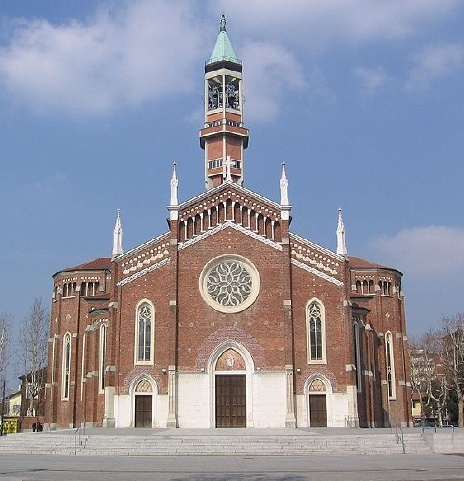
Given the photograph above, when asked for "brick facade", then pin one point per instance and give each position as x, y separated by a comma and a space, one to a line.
228, 291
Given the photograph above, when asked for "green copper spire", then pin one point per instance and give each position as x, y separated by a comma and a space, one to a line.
223, 50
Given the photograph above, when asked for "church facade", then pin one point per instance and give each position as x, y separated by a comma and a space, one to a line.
228, 319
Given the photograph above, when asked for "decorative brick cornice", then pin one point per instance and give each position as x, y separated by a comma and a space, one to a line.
145, 255
317, 273
136, 250
143, 272
314, 255
232, 225
217, 191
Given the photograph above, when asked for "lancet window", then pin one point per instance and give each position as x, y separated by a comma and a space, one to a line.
144, 333
66, 367
357, 355
101, 357
390, 365
316, 332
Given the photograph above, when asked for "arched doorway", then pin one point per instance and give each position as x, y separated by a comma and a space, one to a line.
317, 403
143, 415
230, 390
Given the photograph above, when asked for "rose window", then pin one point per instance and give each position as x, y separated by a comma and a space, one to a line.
229, 284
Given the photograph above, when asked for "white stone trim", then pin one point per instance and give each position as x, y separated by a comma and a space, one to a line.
316, 272
225, 225
143, 272
321, 306
216, 190
313, 245
150, 361
143, 246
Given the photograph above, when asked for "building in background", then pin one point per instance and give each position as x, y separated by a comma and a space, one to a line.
229, 318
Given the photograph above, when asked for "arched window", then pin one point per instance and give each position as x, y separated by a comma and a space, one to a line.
390, 362
385, 288
101, 358
144, 333
371, 287
357, 356
315, 332
66, 367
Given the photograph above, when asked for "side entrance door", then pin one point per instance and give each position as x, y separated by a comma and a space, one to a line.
317, 410
143, 411
230, 401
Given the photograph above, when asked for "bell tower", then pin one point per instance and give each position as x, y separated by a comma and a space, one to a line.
223, 137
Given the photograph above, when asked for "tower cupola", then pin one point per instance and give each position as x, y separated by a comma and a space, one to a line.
223, 137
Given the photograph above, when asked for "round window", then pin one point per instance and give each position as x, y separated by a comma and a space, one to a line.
229, 283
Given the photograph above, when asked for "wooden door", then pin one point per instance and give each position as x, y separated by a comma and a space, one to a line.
143, 411
317, 410
230, 401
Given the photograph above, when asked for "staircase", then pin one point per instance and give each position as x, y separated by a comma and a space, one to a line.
233, 442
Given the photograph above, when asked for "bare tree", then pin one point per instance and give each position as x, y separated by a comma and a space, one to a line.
438, 379
452, 334
33, 341
420, 370
5, 336
428, 377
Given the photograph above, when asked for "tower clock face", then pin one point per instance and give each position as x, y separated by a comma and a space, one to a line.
229, 283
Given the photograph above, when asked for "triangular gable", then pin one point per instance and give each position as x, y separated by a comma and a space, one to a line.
227, 203
215, 193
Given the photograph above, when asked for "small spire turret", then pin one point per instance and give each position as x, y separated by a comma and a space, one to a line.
117, 237
341, 241
174, 186
285, 206
173, 206
283, 187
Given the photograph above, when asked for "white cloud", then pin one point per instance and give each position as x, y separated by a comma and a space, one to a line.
270, 70
319, 22
371, 79
142, 51
433, 62
145, 50
424, 251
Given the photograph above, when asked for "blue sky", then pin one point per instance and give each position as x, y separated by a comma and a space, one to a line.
362, 99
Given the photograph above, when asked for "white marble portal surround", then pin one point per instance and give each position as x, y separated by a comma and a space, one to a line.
266, 403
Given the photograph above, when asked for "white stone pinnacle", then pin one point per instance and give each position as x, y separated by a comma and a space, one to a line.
174, 186
341, 241
117, 236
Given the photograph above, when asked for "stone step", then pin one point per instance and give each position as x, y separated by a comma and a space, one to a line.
238, 445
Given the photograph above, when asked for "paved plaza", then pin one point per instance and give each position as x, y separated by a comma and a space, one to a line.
228, 468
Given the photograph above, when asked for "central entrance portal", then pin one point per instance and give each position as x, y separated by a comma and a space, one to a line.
230, 400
